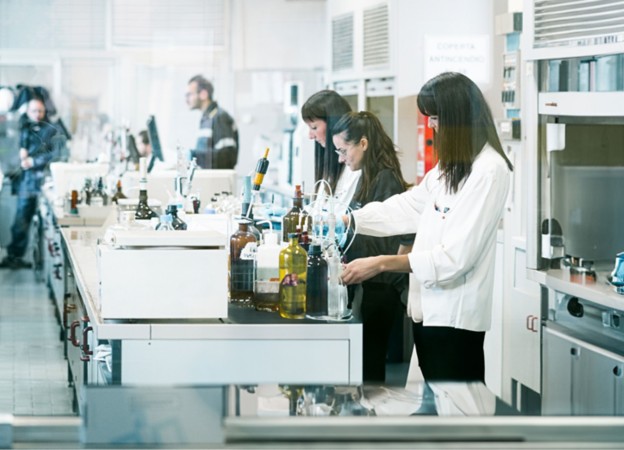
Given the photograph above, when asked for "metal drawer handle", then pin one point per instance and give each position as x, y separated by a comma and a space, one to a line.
86, 352
72, 333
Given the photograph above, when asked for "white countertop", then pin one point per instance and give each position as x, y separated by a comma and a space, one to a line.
243, 323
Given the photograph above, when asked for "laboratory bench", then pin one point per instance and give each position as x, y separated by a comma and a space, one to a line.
246, 347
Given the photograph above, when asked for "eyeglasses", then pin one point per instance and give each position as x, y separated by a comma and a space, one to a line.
341, 151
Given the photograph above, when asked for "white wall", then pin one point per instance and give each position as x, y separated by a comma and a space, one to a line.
418, 18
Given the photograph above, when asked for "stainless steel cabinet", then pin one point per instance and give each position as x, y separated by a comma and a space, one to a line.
580, 378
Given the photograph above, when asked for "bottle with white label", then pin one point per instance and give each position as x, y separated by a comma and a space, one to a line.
266, 286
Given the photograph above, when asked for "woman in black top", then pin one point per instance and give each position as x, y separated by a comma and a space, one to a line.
362, 142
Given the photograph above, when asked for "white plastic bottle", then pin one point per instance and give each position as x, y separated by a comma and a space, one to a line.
266, 287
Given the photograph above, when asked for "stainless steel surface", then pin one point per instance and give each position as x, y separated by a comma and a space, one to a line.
530, 141
426, 429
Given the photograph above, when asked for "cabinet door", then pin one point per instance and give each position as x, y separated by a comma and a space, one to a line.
595, 376
580, 378
524, 326
492, 347
557, 374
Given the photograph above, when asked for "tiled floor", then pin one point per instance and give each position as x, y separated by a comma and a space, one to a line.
33, 371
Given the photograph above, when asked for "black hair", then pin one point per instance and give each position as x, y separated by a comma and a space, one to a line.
328, 106
381, 153
465, 124
203, 85
144, 137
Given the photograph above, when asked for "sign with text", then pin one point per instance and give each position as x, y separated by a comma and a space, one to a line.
469, 55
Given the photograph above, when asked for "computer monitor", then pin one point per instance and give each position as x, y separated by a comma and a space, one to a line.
152, 134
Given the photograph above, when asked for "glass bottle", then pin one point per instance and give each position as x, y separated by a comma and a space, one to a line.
87, 190
97, 197
73, 206
118, 193
292, 269
165, 223
317, 277
296, 217
143, 211
178, 224
242, 260
266, 287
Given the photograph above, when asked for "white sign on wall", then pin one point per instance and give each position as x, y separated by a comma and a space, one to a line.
469, 55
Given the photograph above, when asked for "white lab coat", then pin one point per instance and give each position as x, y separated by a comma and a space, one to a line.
455, 246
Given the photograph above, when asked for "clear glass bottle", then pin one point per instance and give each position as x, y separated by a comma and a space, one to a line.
292, 269
317, 279
86, 191
165, 223
178, 224
98, 194
242, 264
296, 217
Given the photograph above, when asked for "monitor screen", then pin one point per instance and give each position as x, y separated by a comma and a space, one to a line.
152, 133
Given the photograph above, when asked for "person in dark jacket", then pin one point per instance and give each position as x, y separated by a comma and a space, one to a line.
361, 141
217, 140
38, 147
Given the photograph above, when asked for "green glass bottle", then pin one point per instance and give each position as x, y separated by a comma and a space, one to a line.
293, 264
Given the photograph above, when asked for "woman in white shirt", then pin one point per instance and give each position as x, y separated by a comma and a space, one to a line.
455, 212
321, 112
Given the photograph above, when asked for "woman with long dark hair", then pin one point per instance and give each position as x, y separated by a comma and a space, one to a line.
364, 145
320, 112
455, 212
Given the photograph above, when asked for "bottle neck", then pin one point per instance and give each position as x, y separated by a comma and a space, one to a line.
298, 202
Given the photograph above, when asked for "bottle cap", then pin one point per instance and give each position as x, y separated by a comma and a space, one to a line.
315, 249
292, 235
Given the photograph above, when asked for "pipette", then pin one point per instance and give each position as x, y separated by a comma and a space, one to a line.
261, 170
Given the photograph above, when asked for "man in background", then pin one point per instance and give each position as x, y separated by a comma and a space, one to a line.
217, 141
143, 144
38, 147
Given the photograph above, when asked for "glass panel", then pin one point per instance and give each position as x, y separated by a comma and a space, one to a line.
587, 178
602, 73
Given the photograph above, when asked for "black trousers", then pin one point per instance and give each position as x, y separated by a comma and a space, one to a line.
381, 303
449, 354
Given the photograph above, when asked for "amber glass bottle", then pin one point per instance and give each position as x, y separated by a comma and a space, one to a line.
242, 259
118, 193
292, 269
296, 217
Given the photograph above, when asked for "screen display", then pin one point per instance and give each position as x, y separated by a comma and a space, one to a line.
152, 133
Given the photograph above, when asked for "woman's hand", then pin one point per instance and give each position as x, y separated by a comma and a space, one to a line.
360, 270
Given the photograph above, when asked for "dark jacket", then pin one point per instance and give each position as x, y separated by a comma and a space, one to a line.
385, 185
42, 142
217, 144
